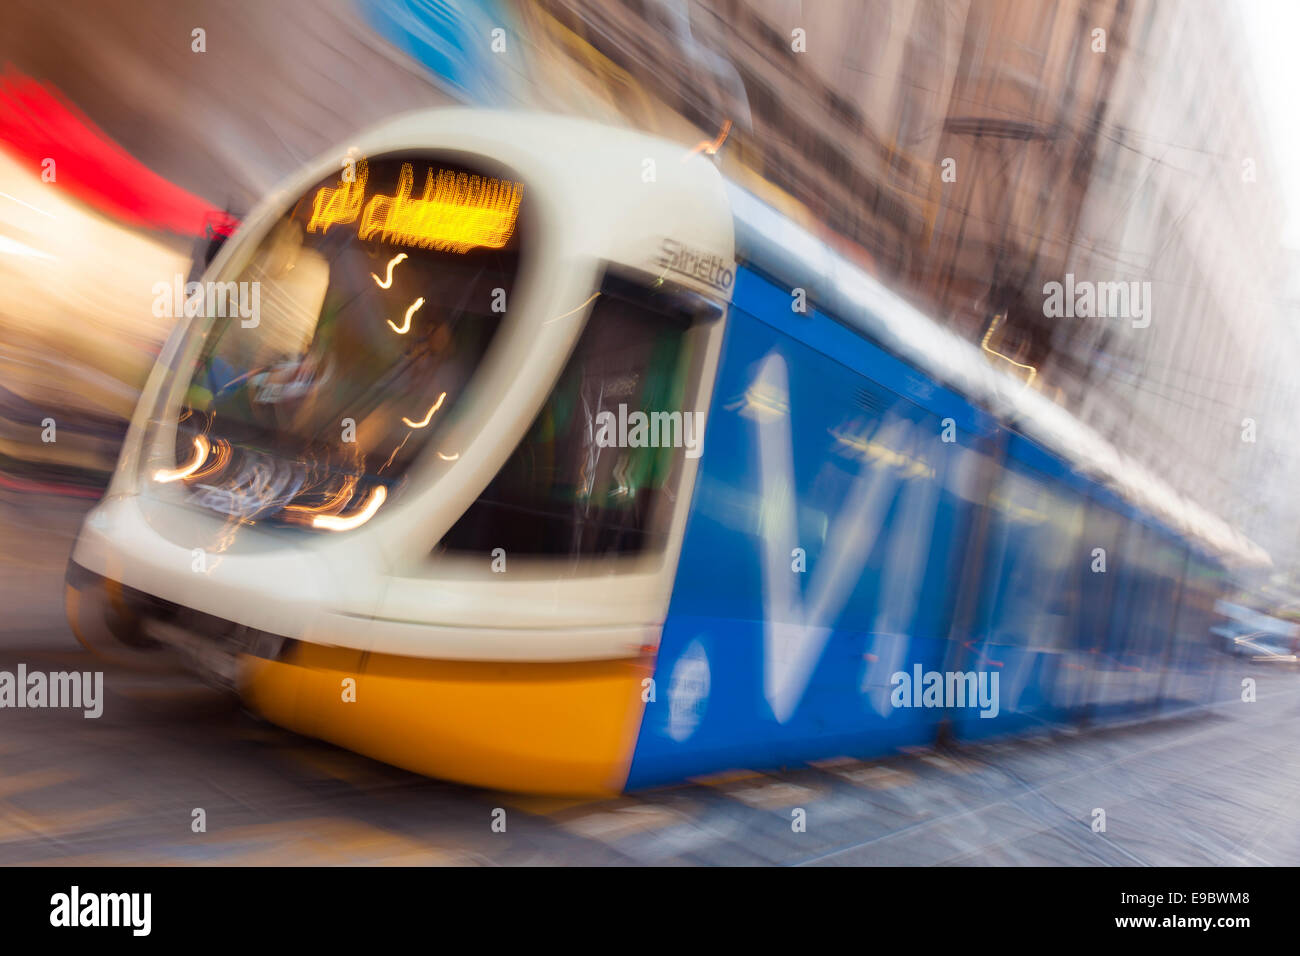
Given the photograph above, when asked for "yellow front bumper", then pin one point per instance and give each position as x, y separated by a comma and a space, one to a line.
557, 728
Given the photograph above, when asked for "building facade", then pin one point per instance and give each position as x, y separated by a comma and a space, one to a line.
971, 153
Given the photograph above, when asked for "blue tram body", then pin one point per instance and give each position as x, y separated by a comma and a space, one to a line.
855, 520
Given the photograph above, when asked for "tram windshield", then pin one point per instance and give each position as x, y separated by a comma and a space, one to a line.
361, 318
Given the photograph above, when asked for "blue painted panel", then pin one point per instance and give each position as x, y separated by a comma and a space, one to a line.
1027, 624
761, 664
818, 440
1140, 618
822, 333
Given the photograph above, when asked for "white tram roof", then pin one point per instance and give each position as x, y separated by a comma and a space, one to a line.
789, 253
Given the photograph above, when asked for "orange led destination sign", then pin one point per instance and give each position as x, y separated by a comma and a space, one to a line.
455, 213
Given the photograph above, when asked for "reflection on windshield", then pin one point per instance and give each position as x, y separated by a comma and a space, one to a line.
311, 414
565, 492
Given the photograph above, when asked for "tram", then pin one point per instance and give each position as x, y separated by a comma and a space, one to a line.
551, 460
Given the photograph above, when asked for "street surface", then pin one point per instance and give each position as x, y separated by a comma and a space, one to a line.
1215, 787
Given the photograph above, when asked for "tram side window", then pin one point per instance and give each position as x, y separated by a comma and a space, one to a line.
1036, 597
584, 482
1191, 632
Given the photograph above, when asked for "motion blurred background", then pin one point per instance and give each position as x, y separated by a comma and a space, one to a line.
1148, 152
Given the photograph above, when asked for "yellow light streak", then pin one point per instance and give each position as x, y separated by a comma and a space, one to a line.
406, 324
565, 315
984, 344
883, 454
427, 418
760, 402
218, 456
400, 446
710, 148
165, 475
455, 213
333, 505
340, 204
355, 520
387, 281
448, 457
1015, 510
